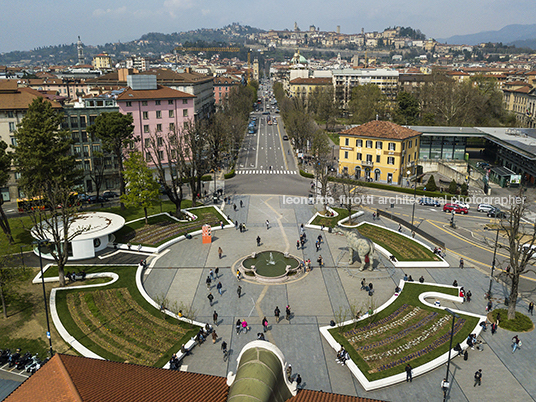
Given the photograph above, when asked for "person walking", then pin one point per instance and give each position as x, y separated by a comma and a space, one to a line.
214, 336
531, 308
238, 326
409, 376
220, 252
298, 381
219, 286
468, 296
287, 311
478, 378
267, 224
317, 244
264, 324
211, 274
210, 298
217, 272
245, 326
241, 204
461, 263
289, 372
258, 241
517, 343
277, 312
445, 386
297, 245
215, 318
208, 282
493, 328
239, 291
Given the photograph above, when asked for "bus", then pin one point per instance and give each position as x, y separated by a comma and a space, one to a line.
31, 204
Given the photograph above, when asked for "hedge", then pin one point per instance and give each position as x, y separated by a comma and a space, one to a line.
229, 175
308, 175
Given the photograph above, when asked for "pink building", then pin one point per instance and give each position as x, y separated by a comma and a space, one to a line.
222, 86
154, 109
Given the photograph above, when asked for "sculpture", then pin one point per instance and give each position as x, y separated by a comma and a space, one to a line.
363, 246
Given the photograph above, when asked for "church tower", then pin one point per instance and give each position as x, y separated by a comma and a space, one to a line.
80, 49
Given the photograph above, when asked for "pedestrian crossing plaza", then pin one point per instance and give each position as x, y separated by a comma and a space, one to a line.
266, 171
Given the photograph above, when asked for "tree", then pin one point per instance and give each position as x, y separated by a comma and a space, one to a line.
47, 174
431, 184
453, 187
407, 111
10, 278
350, 195
521, 245
5, 169
97, 171
115, 130
367, 103
321, 159
196, 160
142, 187
463, 189
322, 103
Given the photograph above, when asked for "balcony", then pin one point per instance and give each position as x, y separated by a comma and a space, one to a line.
367, 163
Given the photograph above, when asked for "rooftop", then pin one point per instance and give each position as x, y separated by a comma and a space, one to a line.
381, 129
159, 93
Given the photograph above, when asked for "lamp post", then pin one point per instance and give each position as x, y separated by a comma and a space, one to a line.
454, 316
414, 197
39, 243
493, 264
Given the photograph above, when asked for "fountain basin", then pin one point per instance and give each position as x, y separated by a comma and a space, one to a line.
270, 266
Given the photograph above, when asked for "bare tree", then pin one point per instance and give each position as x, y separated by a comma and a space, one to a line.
321, 159
97, 173
521, 245
350, 195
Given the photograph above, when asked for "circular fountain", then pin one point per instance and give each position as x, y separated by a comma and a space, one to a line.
270, 266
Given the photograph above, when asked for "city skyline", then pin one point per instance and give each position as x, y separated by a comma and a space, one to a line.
97, 23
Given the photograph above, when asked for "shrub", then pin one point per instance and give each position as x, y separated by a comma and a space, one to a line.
453, 187
230, 175
431, 185
308, 175
206, 177
464, 189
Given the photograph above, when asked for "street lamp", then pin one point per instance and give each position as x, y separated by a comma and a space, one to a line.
39, 244
414, 197
493, 263
454, 316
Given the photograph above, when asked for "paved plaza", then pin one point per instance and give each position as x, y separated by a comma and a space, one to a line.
317, 297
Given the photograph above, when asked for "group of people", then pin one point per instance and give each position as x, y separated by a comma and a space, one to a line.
240, 226
408, 278
342, 356
305, 265
367, 288
76, 276
438, 251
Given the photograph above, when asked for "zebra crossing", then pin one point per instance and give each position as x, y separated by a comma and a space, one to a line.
266, 171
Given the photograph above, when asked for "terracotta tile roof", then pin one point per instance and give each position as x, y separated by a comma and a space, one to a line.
311, 81
381, 129
319, 396
225, 81
13, 98
72, 378
159, 93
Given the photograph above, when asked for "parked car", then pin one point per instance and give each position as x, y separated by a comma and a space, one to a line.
497, 213
94, 200
456, 208
429, 201
484, 207
109, 194
83, 197
285, 138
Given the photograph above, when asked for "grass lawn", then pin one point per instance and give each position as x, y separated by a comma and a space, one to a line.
331, 222
334, 137
406, 331
403, 248
521, 323
117, 323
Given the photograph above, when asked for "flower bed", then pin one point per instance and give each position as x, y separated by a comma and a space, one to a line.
405, 331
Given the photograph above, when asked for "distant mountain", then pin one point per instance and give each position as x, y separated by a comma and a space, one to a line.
507, 35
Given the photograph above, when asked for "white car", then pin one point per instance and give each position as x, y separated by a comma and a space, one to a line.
484, 207
461, 204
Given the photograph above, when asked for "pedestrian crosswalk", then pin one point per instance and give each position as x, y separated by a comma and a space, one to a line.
266, 171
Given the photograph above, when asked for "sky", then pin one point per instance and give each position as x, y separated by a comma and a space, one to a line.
27, 24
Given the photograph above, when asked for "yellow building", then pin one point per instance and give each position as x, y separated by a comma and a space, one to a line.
102, 60
379, 151
303, 87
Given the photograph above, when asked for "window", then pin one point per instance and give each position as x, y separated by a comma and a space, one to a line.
11, 126
390, 160
185, 112
95, 148
144, 103
347, 141
378, 158
170, 102
185, 101
159, 141
359, 143
392, 146
13, 141
345, 154
129, 104
171, 113
403, 146
185, 124
158, 114
148, 157
92, 119
76, 136
160, 155
157, 102
87, 165
171, 126
83, 134
145, 128
17, 177
83, 121
379, 145
10, 114
145, 115
409, 158
369, 158
159, 127
77, 151
410, 143
74, 121
359, 156
369, 144
147, 142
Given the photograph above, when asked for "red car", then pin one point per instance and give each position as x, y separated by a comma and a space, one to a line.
456, 208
